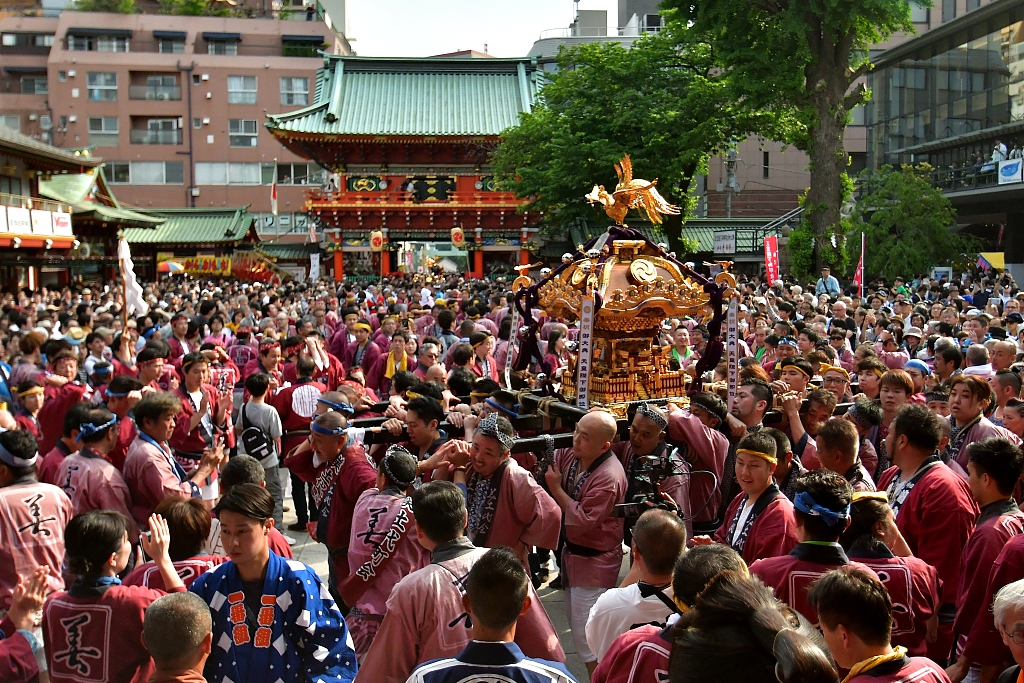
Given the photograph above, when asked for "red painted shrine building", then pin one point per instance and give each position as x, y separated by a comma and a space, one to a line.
410, 141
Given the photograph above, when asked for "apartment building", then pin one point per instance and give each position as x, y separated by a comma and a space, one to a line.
176, 105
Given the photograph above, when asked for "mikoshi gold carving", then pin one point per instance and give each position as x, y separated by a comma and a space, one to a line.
632, 193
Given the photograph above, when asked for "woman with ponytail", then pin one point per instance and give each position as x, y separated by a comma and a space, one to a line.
873, 540
93, 631
737, 629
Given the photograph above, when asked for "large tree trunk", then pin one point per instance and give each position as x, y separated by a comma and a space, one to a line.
825, 195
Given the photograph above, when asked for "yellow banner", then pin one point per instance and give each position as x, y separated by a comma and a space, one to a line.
207, 265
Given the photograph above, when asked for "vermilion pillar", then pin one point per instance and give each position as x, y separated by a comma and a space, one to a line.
524, 257
339, 264
478, 264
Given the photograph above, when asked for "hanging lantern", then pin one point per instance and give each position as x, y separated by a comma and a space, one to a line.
376, 240
458, 238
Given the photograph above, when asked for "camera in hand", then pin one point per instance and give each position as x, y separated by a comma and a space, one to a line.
647, 474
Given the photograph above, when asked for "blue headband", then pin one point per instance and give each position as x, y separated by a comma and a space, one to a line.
320, 429
88, 428
806, 504
919, 365
340, 407
494, 404
116, 394
787, 341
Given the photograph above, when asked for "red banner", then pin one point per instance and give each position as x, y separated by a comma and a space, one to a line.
771, 258
858, 277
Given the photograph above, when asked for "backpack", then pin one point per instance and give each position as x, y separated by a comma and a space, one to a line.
254, 440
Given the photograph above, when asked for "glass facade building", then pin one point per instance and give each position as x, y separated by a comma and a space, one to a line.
947, 96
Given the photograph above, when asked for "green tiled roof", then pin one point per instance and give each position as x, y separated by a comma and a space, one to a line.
195, 226
55, 157
284, 251
89, 196
362, 96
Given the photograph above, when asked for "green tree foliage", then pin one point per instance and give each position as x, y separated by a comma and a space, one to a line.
111, 6
907, 224
662, 102
801, 57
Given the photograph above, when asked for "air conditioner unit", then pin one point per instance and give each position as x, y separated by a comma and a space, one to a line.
206, 120
72, 118
206, 77
32, 117
71, 74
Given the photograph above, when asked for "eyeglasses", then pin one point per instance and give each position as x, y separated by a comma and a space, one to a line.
837, 381
1017, 636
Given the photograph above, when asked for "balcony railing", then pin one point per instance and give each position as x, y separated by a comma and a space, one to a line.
32, 203
409, 199
965, 178
154, 92
597, 32
156, 137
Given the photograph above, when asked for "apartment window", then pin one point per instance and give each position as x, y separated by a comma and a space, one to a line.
223, 47
147, 172
918, 13
765, 166
973, 5
62, 76
234, 173
27, 40
12, 121
948, 10
197, 123
171, 46
299, 174
103, 131
294, 91
34, 85
98, 43
241, 90
242, 132
102, 86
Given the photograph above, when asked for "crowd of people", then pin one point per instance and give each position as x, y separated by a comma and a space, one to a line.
853, 515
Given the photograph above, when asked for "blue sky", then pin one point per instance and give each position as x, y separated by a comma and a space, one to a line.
417, 28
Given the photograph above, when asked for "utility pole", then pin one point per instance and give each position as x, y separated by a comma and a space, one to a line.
730, 179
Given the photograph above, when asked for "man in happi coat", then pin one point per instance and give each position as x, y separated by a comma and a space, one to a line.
339, 472
759, 522
696, 430
933, 508
506, 505
88, 478
59, 399
32, 518
647, 441
968, 398
994, 467
822, 513
363, 352
425, 617
383, 546
985, 646
18, 644
587, 481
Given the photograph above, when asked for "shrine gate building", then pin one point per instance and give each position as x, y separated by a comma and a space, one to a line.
410, 142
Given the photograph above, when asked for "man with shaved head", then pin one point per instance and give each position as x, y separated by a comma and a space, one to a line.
178, 632
587, 481
1003, 355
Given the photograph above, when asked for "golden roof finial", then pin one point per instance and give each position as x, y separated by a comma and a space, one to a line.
632, 193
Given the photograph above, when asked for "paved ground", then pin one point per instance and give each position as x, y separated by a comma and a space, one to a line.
314, 554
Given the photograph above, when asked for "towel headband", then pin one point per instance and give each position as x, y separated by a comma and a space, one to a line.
758, 454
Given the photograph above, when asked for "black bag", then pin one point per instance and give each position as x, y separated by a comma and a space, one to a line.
254, 440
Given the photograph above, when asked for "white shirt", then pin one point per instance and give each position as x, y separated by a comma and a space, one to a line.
743, 514
619, 610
